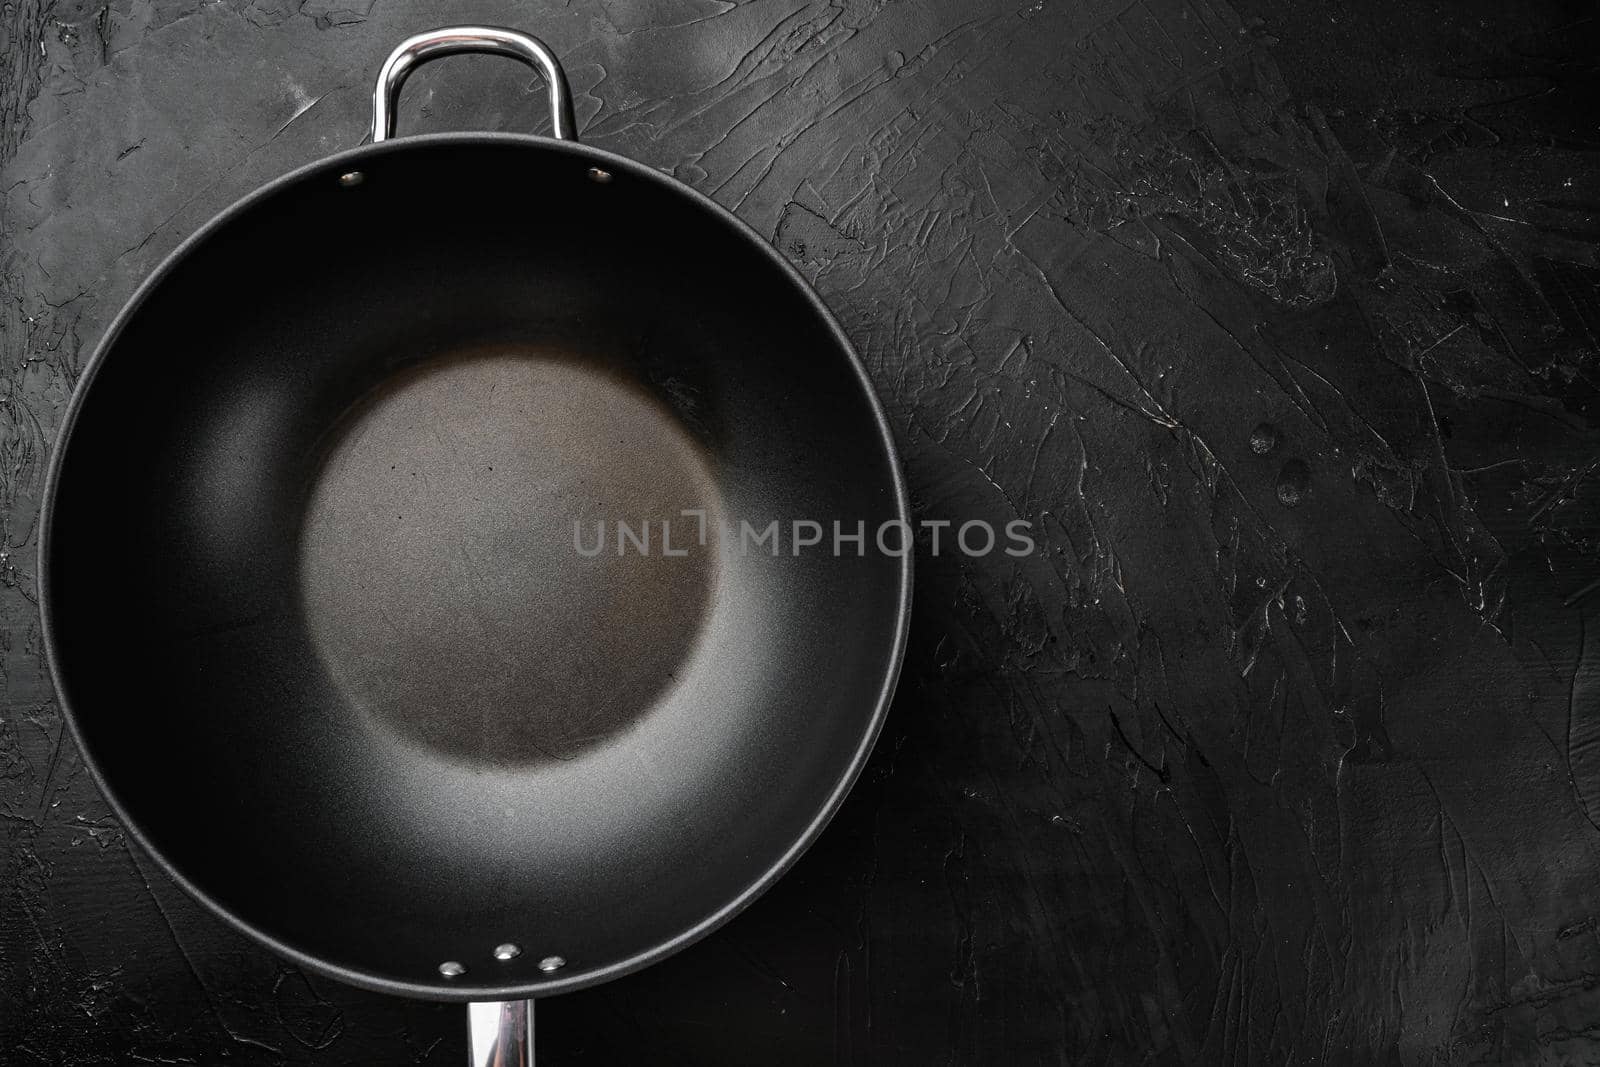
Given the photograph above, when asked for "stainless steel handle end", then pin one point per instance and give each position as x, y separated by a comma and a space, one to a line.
500, 1033
451, 40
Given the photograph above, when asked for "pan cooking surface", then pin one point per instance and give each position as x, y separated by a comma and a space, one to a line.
441, 574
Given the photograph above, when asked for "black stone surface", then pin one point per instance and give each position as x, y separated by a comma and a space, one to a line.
1279, 321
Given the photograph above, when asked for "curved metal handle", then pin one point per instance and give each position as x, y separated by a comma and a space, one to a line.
494, 40
500, 1033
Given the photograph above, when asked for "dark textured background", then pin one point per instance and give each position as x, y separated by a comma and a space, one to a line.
1276, 753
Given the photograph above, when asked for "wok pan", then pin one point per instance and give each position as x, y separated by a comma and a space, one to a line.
335, 596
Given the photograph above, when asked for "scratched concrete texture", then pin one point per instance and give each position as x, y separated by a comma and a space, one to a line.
1277, 320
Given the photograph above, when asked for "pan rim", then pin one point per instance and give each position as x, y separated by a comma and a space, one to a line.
578, 979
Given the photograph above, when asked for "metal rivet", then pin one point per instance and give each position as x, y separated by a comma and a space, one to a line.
507, 951
351, 179
552, 964
601, 176
452, 969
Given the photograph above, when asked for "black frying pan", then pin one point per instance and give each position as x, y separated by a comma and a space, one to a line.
326, 602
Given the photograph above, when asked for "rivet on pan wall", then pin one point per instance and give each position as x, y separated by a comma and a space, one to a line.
452, 969
552, 964
507, 951
351, 179
598, 175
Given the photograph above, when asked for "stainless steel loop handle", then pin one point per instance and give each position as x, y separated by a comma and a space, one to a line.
500, 1033
494, 40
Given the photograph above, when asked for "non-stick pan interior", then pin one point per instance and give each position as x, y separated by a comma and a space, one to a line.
340, 605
